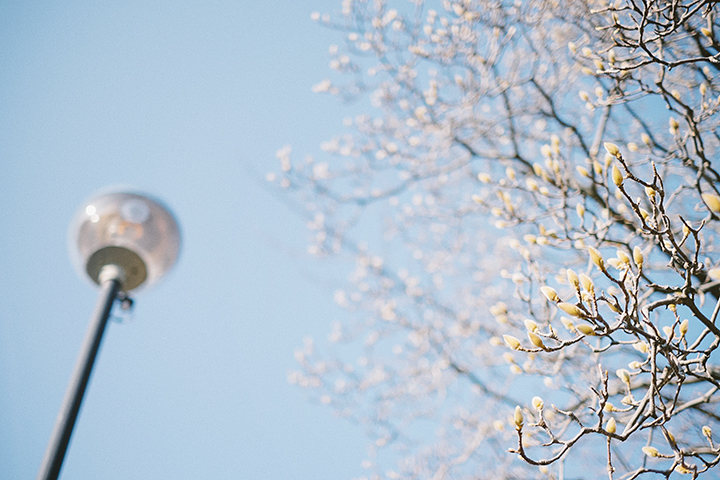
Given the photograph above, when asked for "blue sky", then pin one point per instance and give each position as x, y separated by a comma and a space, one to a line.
188, 101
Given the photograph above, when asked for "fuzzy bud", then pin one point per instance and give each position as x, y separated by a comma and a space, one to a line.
550, 293
638, 256
684, 325
707, 431
573, 278
512, 342
612, 149
609, 407
587, 283
617, 176
538, 403
567, 323
712, 201
536, 340
531, 325
519, 419
611, 425
571, 309
650, 451
596, 258
623, 375
586, 330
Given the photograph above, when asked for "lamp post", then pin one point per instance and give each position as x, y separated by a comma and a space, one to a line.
121, 241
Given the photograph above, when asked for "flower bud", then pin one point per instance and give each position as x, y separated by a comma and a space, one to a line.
550, 293
580, 209
622, 256
519, 419
571, 309
583, 171
609, 407
638, 256
612, 149
567, 323
706, 31
587, 283
712, 201
623, 375
573, 278
596, 257
684, 325
650, 451
611, 425
512, 342
538, 403
707, 431
484, 177
586, 330
536, 340
641, 347
530, 325
617, 176
650, 192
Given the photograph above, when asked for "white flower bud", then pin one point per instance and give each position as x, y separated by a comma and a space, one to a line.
573, 278
596, 258
530, 325
650, 451
623, 375
550, 293
638, 256
538, 403
536, 340
512, 342
712, 201
611, 425
617, 176
586, 330
612, 149
519, 419
571, 309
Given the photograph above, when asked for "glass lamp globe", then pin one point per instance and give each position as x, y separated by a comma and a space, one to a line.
132, 231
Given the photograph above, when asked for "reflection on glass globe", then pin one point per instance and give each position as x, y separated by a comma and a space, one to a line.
132, 231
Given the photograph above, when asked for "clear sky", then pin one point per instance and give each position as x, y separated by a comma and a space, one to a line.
188, 101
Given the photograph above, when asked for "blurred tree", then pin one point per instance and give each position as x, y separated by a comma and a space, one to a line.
543, 279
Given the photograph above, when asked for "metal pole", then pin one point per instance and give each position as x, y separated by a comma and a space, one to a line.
55, 453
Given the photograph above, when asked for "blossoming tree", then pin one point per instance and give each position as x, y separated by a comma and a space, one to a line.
531, 201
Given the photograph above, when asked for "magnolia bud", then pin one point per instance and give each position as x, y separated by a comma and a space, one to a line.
519, 419
530, 325
567, 323
612, 149
550, 293
684, 325
622, 256
650, 451
596, 258
583, 171
609, 407
580, 209
512, 342
707, 431
536, 340
611, 426
712, 201
641, 347
586, 330
623, 375
587, 283
538, 403
570, 309
617, 176
638, 256
573, 278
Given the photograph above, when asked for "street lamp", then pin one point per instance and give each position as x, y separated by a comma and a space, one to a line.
121, 241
